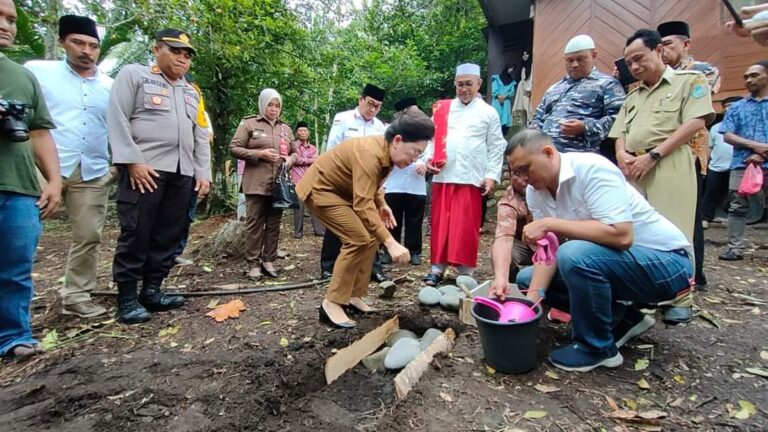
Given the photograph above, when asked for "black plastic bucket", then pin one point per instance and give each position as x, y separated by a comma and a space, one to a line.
508, 347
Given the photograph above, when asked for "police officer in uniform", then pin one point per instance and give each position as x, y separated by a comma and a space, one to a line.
358, 122
658, 118
164, 155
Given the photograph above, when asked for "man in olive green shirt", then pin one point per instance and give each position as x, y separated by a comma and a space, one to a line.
662, 114
25, 140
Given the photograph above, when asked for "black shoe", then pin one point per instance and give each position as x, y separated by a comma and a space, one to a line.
433, 279
325, 275
351, 309
129, 311
731, 255
380, 277
415, 259
154, 300
324, 318
632, 325
298, 236
272, 274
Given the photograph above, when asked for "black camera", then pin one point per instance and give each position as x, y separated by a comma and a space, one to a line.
13, 120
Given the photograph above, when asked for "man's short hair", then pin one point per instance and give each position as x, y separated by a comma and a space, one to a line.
763, 63
650, 38
527, 139
413, 125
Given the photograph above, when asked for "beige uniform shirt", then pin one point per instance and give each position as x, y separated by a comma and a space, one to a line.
152, 121
650, 115
256, 133
647, 118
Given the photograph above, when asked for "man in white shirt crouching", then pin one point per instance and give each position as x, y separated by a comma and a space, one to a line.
619, 249
77, 93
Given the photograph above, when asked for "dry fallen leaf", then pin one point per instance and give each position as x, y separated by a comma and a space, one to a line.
283, 342
677, 402
213, 303
643, 384
446, 397
535, 414
652, 414
490, 370
757, 371
679, 379
545, 388
227, 310
641, 364
631, 403
169, 331
746, 409
623, 414
552, 375
764, 355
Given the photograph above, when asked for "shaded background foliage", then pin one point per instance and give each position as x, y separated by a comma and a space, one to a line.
317, 53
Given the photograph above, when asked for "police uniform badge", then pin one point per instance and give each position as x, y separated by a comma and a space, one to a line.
157, 100
154, 69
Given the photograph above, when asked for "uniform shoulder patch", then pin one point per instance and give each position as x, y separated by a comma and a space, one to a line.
250, 117
699, 90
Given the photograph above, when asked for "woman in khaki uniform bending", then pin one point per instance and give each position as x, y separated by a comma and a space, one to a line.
344, 190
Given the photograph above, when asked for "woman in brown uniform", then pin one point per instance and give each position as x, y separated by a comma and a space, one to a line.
344, 190
264, 142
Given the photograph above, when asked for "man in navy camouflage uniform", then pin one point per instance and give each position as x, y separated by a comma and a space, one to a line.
578, 111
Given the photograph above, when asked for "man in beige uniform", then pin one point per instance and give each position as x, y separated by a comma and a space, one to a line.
657, 119
163, 154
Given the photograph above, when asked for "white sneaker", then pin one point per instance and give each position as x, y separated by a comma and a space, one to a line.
181, 261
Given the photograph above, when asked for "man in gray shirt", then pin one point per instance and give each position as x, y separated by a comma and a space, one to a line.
163, 154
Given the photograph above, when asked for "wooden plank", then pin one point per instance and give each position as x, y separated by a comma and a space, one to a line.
350, 356
410, 375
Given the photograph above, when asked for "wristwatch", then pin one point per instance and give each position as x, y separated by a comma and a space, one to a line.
655, 155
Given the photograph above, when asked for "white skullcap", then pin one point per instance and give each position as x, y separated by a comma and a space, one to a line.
579, 43
468, 69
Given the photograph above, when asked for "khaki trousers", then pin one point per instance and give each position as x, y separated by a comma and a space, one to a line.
86, 203
352, 271
670, 187
262, 226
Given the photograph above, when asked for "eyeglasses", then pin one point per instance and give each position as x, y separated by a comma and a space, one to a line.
467, 84
372, 104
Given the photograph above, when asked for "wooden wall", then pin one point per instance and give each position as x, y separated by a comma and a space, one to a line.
610, 22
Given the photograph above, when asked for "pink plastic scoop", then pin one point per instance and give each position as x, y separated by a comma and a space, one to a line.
510, 310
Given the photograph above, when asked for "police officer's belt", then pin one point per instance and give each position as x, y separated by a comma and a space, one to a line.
641, 152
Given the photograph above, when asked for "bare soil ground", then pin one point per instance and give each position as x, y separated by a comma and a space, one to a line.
264, 371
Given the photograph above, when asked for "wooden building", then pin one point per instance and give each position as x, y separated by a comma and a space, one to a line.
609, 23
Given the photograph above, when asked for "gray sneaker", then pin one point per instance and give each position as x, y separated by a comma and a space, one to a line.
86, 309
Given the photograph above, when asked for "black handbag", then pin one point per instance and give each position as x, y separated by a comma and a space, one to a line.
284, 192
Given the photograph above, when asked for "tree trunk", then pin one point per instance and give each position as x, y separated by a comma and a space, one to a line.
228, 242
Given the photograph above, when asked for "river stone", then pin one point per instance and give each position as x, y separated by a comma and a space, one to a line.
402, 352
375, 361
400, 334
388, 289
445, 289
451, 301
429, 296
468, 282
429, 336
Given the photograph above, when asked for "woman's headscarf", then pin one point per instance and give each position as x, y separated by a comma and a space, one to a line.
266, 97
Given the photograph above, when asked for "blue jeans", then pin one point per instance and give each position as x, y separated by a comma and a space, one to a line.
591, 279
19, 233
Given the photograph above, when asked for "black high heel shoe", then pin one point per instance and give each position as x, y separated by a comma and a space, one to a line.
324, 318
270, 273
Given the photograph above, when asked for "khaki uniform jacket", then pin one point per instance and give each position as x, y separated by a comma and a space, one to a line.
153, 121
253, 134
650, 115
352, 174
